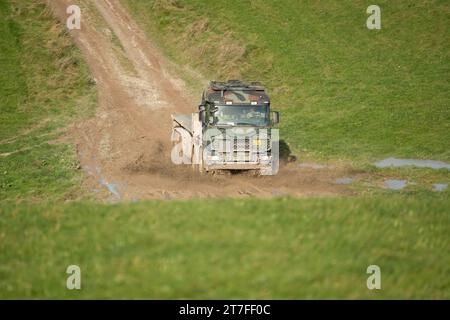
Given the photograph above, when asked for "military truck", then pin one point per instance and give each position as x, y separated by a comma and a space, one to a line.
232, 130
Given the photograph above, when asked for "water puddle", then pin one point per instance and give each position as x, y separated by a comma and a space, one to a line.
395, 184
439, 187
343, 181
112, 187
394, 162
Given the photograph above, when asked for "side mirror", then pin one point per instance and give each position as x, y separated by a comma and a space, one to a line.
275, 117
201, 107
201, 116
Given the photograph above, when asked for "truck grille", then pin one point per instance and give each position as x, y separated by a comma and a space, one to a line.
240, 149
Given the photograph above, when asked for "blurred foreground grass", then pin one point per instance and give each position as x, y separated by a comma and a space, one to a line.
283, 248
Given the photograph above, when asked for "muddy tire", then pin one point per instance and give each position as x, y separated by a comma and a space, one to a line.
266, 172
201, 167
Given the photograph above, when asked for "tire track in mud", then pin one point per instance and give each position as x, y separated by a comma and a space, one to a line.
126, 146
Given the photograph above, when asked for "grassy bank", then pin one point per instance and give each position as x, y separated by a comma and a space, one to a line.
345, 92
285, 248
44, 86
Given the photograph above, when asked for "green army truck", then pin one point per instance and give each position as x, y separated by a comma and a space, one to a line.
232, 130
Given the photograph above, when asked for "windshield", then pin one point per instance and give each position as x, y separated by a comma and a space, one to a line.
234, 115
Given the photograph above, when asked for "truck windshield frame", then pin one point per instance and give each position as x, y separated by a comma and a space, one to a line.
241, 115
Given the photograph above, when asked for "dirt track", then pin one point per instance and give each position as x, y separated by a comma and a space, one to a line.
126, 147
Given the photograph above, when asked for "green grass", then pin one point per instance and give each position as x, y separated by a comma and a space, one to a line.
44, 86
285, 248
344, 92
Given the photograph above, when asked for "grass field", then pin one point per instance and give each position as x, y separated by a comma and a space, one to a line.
44, 86
345, 93
285, 248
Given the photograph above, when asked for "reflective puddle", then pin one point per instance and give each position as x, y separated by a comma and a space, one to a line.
112, 187
394, 162
343, 181
439, 187
395, 184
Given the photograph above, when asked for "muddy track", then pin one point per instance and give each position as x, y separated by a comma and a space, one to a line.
125, 148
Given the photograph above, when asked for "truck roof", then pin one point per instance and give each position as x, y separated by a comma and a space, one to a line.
236, 92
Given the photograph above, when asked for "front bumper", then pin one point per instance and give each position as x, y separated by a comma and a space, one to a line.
236, 166
261, 163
